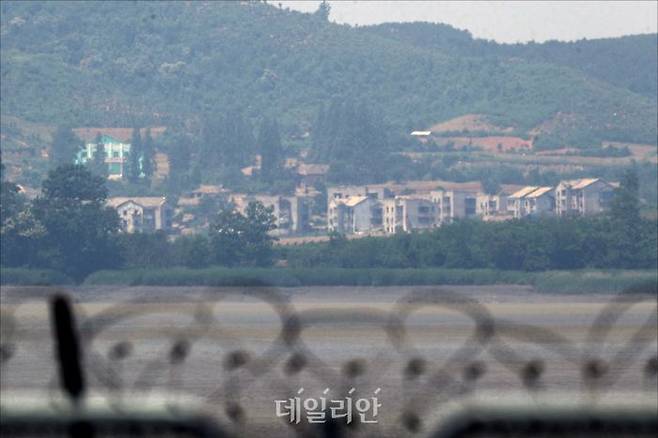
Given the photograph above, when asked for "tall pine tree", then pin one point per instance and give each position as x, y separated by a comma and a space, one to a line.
65, 146
271, 153
626, 222
355, 144
133, 165
97, 164
227, 145
148, 156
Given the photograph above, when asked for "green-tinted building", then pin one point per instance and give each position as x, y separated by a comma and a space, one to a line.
116, 155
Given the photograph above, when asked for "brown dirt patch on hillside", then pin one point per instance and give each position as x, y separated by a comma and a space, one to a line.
469, 123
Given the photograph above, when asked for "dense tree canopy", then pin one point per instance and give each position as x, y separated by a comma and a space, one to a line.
529, 245
239, 239
97, 164
226, 144
64, 146
67, 228
133, 166
356, 144
636, 66
79, 229
271, 150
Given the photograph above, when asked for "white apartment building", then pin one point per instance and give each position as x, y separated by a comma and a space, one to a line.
492, 206
454, 204
532, 200
354, 214
407, 213
583, 196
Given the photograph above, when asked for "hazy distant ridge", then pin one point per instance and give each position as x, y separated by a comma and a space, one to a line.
117, 63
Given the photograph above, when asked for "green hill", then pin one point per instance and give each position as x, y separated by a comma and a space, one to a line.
629, 62
117, 63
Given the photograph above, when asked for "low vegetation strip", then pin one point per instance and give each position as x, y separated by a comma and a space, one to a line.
33, 277
576, 281
219, 276
551, 281
597, 281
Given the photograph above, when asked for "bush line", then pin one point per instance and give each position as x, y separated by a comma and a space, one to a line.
583, 281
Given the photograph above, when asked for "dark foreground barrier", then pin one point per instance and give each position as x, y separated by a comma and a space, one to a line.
89, 393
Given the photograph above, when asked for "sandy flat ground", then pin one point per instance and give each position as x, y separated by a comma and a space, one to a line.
373, 331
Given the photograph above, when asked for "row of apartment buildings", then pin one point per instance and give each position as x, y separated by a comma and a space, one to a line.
355, 210
383, 209
582, 196
149, 214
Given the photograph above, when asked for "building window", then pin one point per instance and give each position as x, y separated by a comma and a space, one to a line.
469, 205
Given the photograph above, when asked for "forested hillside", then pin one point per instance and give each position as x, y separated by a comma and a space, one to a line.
629, 62
148, 63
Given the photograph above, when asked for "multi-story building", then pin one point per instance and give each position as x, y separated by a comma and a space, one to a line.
116, 155
377, 192
407, 213
454, 204
354, 214
583, 196
492, 207
353, 209
291, 213
515, 202
540, 202
532, 200
142, 214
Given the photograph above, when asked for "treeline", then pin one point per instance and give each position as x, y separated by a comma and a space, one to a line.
69, 229
584, 281
211, 150
519, 245
621, 239
525, 245
356, 144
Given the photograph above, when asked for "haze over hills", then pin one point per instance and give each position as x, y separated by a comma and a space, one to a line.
118, 63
